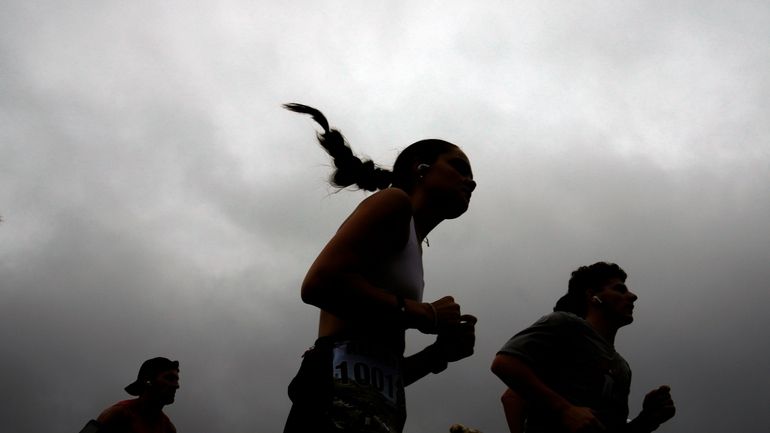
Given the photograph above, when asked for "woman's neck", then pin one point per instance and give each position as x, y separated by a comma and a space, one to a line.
424, 222
425, 216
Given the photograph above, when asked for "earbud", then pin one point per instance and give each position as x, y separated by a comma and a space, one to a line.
423, 167
597, 300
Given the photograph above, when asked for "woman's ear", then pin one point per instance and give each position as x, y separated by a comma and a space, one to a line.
421, 169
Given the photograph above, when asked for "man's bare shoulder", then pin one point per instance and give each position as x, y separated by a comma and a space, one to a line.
117, 412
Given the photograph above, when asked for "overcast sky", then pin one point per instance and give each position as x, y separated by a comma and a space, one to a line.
156, 200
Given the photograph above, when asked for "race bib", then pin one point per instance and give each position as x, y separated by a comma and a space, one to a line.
365, 366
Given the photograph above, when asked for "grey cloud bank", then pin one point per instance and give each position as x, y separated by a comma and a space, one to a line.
157, 201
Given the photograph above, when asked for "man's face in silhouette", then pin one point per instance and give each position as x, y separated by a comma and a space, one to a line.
164, 386
617, 301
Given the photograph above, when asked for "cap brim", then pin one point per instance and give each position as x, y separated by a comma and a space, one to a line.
134, 388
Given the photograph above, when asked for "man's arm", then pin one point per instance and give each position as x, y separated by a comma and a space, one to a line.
657, 408
522, 379
515, 409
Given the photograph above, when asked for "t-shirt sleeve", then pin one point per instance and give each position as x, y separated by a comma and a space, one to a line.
540, 343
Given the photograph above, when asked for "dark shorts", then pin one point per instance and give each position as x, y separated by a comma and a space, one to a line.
347, 386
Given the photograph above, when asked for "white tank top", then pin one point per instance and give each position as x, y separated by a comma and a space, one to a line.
403, 275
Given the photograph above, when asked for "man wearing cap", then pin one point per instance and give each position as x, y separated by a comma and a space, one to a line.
155, 386
564, 372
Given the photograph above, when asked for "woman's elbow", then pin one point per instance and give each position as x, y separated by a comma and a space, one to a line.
315, 288
310, 291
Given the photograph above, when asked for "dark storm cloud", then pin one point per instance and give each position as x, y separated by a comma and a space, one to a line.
157, 201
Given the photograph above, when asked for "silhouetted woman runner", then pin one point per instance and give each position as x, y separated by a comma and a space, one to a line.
368, 283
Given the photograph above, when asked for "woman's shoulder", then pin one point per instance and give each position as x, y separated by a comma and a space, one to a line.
385, 215
388, 203
392, 196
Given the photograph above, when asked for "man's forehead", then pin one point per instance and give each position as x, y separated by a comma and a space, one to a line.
614, 282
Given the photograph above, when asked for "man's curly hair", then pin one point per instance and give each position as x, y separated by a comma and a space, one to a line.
587, 278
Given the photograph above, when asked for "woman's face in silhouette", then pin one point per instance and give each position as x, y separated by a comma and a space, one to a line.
449, 182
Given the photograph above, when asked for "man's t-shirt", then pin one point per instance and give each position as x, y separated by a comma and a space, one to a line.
573, 360
127, 417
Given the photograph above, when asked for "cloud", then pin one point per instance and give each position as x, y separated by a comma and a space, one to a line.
156, 200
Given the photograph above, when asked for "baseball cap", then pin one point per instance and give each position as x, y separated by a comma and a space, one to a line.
149, 370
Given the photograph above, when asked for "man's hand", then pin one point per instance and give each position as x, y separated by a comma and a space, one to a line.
657, 408
457, 342
578, 419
